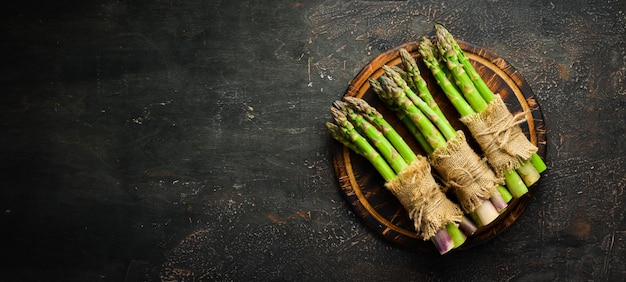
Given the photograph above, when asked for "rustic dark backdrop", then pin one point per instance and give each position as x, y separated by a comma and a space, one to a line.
185, 140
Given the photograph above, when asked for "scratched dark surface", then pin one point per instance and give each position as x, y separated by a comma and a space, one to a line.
185, 140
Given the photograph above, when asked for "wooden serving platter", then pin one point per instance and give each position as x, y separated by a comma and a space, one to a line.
363, 187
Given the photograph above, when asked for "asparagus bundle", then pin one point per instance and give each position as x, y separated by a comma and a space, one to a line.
363, 130
416, 82
495, 129
472, 181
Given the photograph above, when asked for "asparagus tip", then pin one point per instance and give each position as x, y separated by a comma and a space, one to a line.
339, 105
338, 114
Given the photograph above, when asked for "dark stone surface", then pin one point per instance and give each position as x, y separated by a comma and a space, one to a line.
184, 140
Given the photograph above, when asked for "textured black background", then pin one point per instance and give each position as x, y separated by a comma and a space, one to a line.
185, 140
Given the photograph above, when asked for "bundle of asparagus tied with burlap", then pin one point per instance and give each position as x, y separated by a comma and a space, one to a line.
496, 130
474, 184
408, 176
478, 185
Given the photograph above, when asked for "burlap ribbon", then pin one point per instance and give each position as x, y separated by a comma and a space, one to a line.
422, 197
498, 133
463, 171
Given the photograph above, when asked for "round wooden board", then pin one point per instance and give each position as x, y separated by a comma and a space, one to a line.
364, 188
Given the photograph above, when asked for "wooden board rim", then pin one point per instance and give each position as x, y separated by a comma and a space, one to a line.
348, 180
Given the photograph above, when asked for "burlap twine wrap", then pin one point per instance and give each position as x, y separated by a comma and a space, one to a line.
498, 133
422, 197
463, 171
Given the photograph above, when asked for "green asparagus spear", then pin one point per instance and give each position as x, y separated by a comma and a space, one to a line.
378, 89
438, 119
450, 57
374, 117
344, 117
416, 81
479, 83
348, 136
394, 94
427, 50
